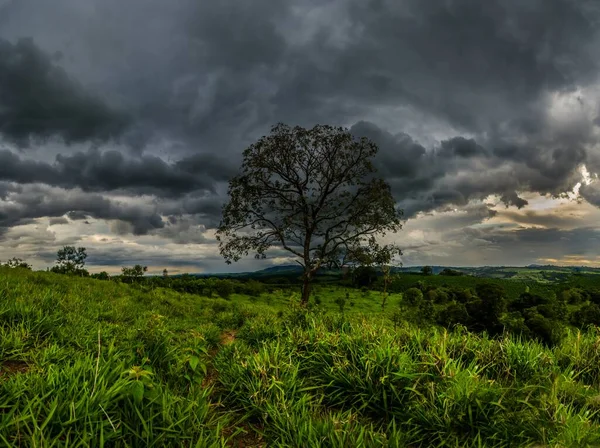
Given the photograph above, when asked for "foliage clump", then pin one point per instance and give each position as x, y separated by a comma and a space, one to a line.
312, 193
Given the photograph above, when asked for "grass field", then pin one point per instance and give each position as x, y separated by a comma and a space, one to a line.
96, 363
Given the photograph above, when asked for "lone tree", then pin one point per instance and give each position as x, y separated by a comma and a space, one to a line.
427, 270
309, 192
71, 260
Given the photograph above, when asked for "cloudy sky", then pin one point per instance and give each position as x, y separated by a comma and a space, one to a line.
121, 121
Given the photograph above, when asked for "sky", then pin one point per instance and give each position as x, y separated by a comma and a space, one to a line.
122, 121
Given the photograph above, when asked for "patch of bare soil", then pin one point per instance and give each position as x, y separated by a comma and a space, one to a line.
248, 438
10, 368
228, 337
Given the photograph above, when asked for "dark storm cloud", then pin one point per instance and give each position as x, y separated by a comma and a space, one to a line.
209, 78
458, 171
39, 100
36, 202
581, 241
110, 170
186, 230
59, 220
512, 198
461, 147
473, 62
591, 193
222, 73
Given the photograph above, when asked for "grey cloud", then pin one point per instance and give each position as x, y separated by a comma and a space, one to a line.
186, 230
59, 220
591, 193
110, 170
461, 147
512, 198
36, 202
474, 63
39, 100
200, 71
209, 78
564, 242
461, 170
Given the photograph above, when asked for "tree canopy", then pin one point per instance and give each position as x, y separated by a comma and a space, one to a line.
71, 260
310, 193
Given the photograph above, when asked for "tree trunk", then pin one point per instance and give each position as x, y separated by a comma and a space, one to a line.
305, 290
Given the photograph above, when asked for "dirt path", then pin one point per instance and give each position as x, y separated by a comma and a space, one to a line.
10, 368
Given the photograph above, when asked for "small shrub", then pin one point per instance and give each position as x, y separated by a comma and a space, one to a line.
341, 303
224, 289
413, 296
255, 331
545, 330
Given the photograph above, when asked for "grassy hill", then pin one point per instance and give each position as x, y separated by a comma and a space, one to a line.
97, 363
537, 273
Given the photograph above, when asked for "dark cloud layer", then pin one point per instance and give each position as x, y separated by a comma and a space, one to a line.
463, 98
34, 201
103, 171
39, 100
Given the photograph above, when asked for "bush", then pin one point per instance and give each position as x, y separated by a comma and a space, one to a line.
514, 323
16, 263
341, 303
462, 295
101, 276
545, 330
454, 314
586, 315
224, 288
258, 330
594, 296
572, 296
487, 310
252, 288
413, 296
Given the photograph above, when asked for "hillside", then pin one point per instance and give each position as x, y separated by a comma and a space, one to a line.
86, 362
539, 273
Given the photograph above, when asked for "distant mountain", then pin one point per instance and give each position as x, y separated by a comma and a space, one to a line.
532, 272
286, 268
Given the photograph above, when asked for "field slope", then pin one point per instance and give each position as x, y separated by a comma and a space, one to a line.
97, 363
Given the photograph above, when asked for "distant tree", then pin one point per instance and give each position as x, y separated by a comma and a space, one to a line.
426, 270
253, 288
363, 276
451, 272
413, 296
224, 288
548, 331
71, 260
165, 273
463, 295
489, 307
454, 314
101, 276
587, 315
134, 273
573, 296
382, 256
17, 263
310, 193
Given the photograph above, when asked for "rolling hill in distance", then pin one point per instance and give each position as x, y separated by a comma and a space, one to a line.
531, 272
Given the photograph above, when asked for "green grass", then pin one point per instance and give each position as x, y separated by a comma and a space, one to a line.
96, 363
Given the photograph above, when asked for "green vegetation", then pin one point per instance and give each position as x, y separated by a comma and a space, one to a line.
452, 361
314, 194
